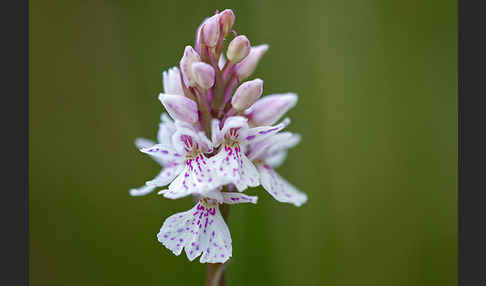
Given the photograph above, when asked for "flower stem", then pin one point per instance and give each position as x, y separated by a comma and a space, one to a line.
215, 275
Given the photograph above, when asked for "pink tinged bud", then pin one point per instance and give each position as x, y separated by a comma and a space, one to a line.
203, 74
172, 81
227, 19
221, 62
246, 94
211, 31
247, 66
190, 56
179, 107
238, 49
197, 43
270, 108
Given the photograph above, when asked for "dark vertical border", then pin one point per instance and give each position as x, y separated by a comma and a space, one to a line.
472, 143
14, 214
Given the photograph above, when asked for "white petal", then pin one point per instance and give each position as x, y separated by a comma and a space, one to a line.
277, 159
279, 188
273, 148
166, 130
143, 143
201, 230
142, 191
172, 81
269, 109
146, 143
282, 142
167, 175
232, 166
198, 177
162, 152
238, 198
249, 176
180, 107
255, 134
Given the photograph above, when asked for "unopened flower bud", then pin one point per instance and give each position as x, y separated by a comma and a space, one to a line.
269, 109
197, 43
247, 66
172, 81
190, 56
179, 107
211, 31
227, 19
203, 74
221, 62
238, 49
246, 94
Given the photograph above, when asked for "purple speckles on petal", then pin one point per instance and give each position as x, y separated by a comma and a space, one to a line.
251, 137
267, 167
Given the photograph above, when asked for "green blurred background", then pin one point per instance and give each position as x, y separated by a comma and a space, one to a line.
377, 112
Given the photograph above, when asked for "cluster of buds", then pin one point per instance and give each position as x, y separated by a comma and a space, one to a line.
220, 139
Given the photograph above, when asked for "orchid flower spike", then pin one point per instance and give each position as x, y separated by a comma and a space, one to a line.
218, 138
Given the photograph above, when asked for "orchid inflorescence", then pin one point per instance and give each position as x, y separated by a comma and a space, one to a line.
220, 139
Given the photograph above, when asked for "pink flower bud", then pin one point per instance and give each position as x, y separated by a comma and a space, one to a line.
190, 56
172, 81
197, 43
221, 62
227, 19
203, 74
179, 107
211, 31
247, 93
247, 66
269, 109
238, 49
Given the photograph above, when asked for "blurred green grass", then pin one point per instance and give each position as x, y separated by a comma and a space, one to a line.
377, 112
